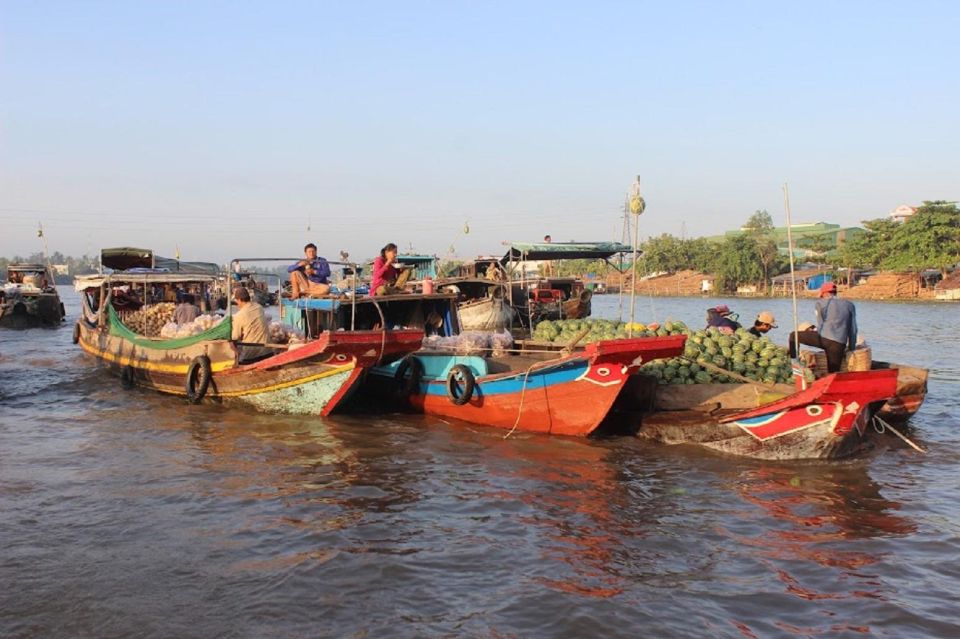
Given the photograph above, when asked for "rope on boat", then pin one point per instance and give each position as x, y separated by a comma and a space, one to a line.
880, 426
566, 352
523, 392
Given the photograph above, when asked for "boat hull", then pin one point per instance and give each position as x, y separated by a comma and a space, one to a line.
568, 395
311, 380
911, 391
31, 310
489, 314
829, 420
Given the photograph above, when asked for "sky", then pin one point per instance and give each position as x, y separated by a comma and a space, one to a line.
242, 129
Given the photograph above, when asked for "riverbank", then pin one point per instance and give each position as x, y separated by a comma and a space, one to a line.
884, 286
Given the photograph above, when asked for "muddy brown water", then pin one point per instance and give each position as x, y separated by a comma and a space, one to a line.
130, 514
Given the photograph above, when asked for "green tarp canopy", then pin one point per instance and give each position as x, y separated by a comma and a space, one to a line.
542, 251
119, 329
126, 257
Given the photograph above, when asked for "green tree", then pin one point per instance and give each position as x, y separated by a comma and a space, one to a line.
760, 228
737, 262
930, 238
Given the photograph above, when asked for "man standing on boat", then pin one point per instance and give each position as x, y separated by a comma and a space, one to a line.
836, 328
309, 276
249, 328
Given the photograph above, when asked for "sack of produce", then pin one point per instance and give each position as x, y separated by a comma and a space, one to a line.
500, 344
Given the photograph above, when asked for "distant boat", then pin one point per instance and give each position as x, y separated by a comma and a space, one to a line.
29, 298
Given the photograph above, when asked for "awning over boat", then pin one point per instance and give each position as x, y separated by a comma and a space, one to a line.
126, 258
541, 251
27, 268
83, 282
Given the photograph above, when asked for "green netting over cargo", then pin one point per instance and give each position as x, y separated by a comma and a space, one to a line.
220, 331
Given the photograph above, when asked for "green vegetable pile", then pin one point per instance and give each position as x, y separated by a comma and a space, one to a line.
564, 331
755, 358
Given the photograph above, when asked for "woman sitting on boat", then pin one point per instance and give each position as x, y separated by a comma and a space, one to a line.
387, 278
721, 318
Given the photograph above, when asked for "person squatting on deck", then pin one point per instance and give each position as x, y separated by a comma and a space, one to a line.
187, 310
720, 318
249, 328
836, 330
387, 279
764, 322
309, 276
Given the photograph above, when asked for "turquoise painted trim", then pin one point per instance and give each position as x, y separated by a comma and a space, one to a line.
538, 378
304, 399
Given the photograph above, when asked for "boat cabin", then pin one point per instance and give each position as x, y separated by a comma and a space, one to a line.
29, 276
434, 314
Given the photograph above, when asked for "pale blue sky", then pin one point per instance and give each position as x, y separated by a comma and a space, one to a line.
225, 127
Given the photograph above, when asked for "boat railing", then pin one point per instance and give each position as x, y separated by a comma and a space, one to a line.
236, 262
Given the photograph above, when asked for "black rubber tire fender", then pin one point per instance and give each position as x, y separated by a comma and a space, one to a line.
76, 333
460, 373
408, 385
127, 379
198, 378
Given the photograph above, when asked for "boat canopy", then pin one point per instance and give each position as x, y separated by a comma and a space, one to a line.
543, 251
126, 258
26, 268
84, 282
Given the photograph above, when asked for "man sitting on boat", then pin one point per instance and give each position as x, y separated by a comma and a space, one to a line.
722, 318
762, 325
837, 328
387, 279
249, 328
309, 276
187, 310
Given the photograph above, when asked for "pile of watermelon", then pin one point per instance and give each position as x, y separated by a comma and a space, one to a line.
755, 358
564, 331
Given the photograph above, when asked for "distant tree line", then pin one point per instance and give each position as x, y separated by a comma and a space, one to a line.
930, 239
75, 265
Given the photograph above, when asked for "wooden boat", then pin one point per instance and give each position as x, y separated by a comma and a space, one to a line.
828, 420
539, 296
556, 393
911, 391
312, 377
482, 303
28, 298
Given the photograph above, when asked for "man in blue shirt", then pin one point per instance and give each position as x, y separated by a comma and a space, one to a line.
836, 330
309, 276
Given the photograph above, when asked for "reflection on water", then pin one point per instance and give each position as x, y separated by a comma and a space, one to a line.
130, 513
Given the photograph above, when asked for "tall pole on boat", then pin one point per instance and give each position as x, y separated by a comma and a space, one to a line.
624, 238
637, 207
793, 276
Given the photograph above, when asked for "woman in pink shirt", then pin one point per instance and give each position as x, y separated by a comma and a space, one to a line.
387, 278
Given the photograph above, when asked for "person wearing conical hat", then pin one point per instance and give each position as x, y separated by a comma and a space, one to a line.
764, 322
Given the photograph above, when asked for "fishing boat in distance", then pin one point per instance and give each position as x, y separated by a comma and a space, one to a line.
125, 326
538, 293
29, 298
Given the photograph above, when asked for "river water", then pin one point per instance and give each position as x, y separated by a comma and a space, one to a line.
130, 514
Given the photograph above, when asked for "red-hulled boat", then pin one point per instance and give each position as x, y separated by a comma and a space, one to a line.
830, 419
557, 393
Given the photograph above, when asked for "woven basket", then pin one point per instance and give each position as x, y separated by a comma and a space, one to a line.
855, 360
